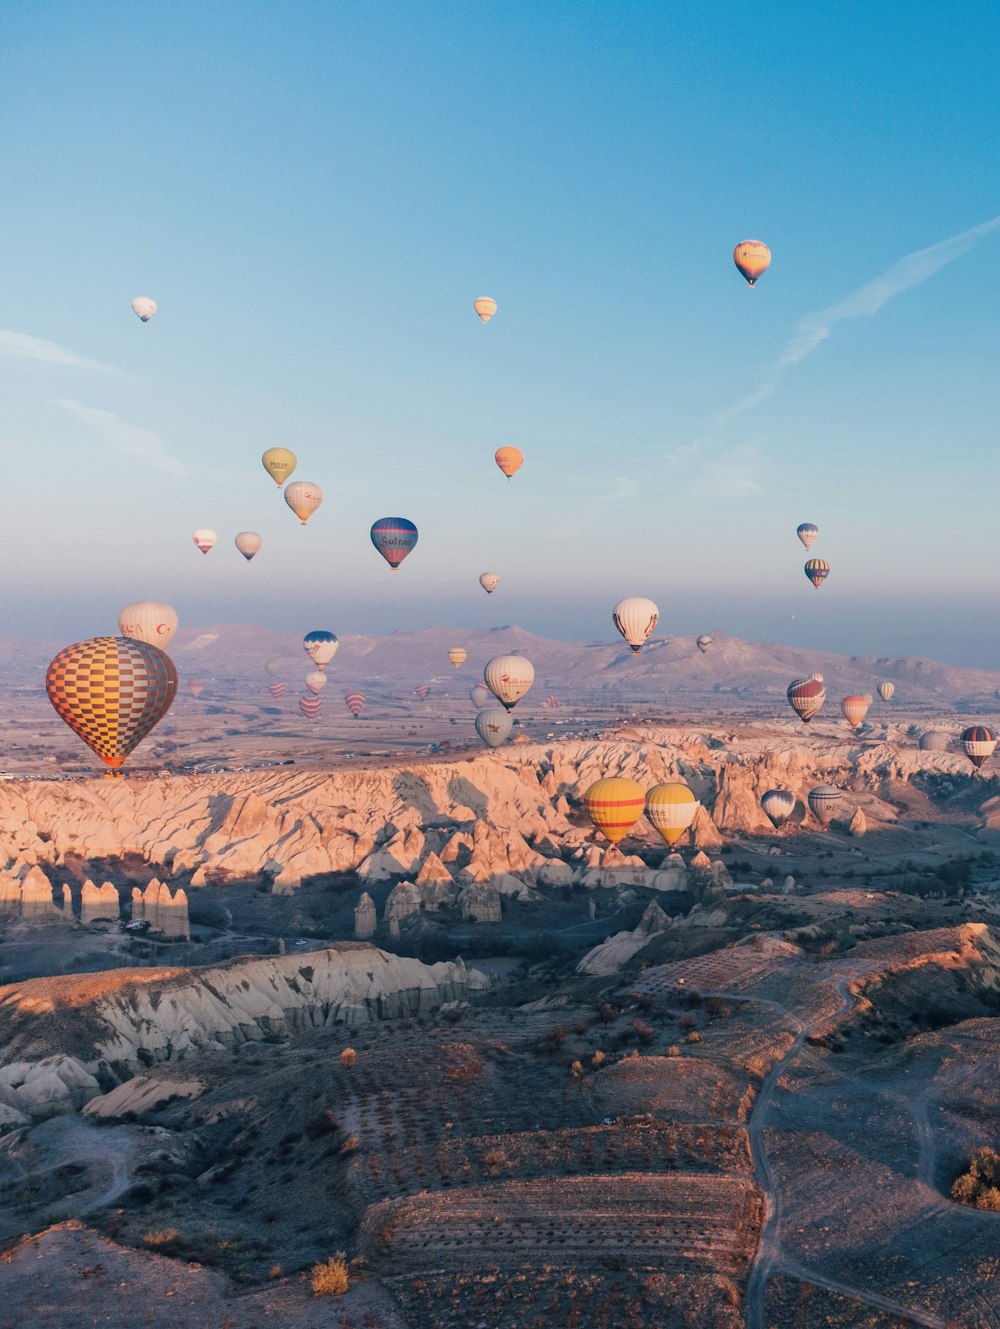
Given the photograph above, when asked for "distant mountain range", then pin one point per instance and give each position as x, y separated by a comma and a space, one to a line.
665, 668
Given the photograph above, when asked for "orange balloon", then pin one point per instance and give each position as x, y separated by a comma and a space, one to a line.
509, 460
753, 258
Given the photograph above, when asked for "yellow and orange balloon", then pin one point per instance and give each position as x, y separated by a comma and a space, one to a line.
509, 460
614, 806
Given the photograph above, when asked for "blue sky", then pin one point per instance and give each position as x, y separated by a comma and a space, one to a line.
315, 193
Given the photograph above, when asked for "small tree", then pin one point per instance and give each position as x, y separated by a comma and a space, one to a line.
348, 1057
979, 1186
329, 1279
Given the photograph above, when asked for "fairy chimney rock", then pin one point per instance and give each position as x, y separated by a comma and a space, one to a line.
364, 917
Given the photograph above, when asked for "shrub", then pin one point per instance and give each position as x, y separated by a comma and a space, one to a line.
979, 1185
348, 1057
673, 1050
598, 1058
164, 1240
329, 1279
694, 1036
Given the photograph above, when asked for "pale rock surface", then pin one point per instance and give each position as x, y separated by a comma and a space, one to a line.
859, 823
553, 872
403, 900
36, 897
480, 903
45, 1088
704, 832
98, 902
610, 955
143, 1093
364, 917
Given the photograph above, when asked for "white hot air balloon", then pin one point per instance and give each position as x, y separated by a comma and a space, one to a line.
489, 581
248, 543
480, 696
509, 677
493, 726
148, 620
315, 681
303, 497
204, 538
144, 307
485, 306
635, 618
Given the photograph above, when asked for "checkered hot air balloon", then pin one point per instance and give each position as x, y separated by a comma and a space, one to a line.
979, 743
614, 806
806, 696
111, 691
394, 538
355, 703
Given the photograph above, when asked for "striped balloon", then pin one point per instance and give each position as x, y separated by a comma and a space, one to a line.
855, 709
355, 703
886, 690
635, 618
551, 703
614, 805
111, 691
509, 677
423, 691
671, 808
778, 805
817, 570
806, 696
823, 801
394, 538
979, 743
935, 740
276, 690
310, 705
458, 656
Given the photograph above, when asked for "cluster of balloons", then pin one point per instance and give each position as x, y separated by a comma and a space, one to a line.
615, 804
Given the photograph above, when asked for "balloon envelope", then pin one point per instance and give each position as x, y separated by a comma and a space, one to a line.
458, 656
273, 667
196, 687
148, 620
979, 743
144, 306
703, 643
423, 691
823, 802
886, 690
778, 805
615, 805
671, 808
817, 570
276, 689
279, 464
248, 543
111, 691
485, 306
494, 725
935, 740
310, 705
635, 618
355, 702
316, 681
394, 538
204, 538
806, 696
320, 646
807, 533
480, 695
753, 258
551, 703
855, 708
509, 677
489, 581
303, 497
509, 460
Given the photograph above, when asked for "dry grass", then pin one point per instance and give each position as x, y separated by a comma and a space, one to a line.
162, 1240
329, 1278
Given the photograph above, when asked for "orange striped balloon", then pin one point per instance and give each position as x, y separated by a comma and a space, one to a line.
615, 805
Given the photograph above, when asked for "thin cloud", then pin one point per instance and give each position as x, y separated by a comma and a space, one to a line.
19, 346
814, 329
734, 474
131, 440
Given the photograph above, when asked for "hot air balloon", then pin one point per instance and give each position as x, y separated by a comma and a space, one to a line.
614, 805
867, 698
310, 705
320, 646
886, 690
273, 667
248, 543
111, 691
509, 460
148, 620
394, 538
279, 464
807, 533
806, 696
703, 644
196, 687
316, 680
423, 691
509, 677
778, 805
935, 740
979, 743
276, 689
303, 497
489, 581
205, 539
458, 656
753, 258
144, 307
855, 709
480, 695
485, 307
671, 808
551, 703
493, 726
817, 570
635, 618
823, 801
355, 703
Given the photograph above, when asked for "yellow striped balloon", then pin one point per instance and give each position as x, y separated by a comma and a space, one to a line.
614, 806
671, 808
458, 656
855, 709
